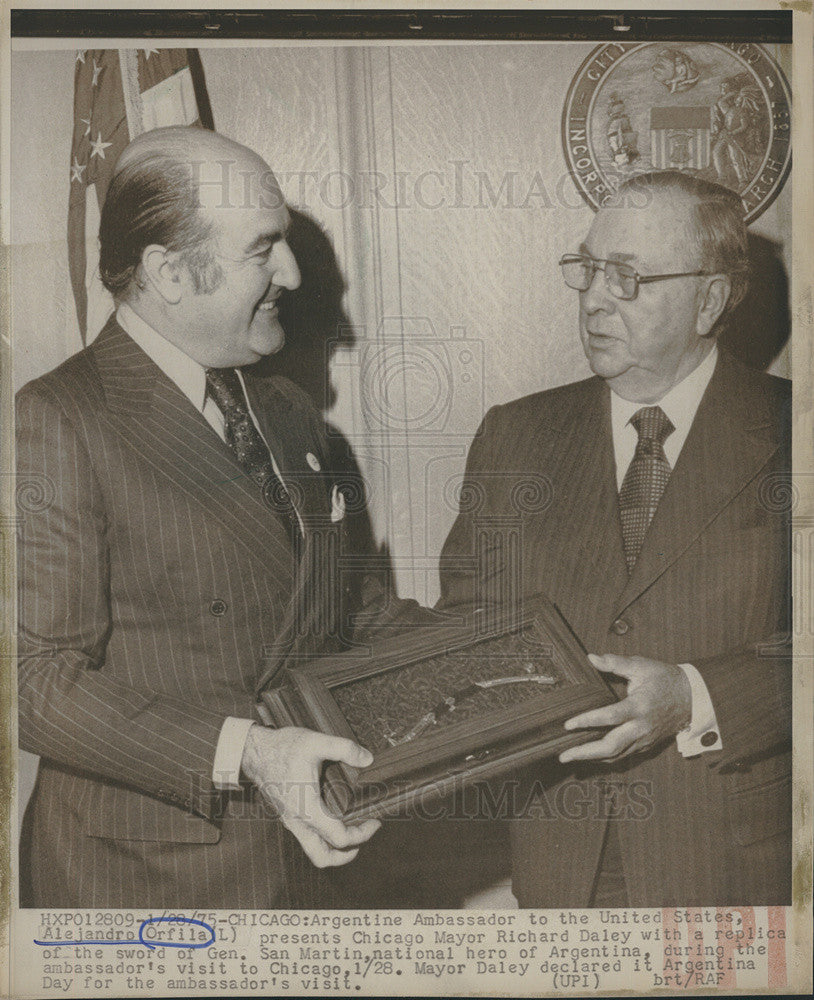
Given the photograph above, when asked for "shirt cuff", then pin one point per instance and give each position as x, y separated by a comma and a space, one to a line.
702, 735
229, 753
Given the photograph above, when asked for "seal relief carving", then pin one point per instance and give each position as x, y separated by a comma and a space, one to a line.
717, 110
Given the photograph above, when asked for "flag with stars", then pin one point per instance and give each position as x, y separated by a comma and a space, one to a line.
118, 94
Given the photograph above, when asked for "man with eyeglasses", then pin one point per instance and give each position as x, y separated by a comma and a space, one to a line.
664, 548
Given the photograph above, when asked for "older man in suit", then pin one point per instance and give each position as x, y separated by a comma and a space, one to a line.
665, 549
172, 557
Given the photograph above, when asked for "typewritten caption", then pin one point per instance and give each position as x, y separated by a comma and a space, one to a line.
127, 953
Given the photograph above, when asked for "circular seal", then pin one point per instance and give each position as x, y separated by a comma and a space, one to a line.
717, 110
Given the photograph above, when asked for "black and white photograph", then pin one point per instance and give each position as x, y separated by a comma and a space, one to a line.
399, 412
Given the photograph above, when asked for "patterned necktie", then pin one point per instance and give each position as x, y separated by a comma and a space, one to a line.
645, 479
224, 386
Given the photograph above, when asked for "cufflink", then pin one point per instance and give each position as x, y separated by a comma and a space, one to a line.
709, 739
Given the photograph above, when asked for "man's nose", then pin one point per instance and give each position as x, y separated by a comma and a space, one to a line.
286, 273
597, 295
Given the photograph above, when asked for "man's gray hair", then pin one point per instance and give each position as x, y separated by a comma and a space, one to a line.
716, 223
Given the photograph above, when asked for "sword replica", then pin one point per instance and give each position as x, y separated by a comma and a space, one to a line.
451, 702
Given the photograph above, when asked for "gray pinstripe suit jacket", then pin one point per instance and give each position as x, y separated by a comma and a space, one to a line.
709, 587
154, 584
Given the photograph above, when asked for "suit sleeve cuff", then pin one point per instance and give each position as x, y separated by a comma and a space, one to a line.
229, 753
702, 735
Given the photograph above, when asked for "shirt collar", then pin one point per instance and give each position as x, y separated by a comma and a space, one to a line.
184, 371
680, 404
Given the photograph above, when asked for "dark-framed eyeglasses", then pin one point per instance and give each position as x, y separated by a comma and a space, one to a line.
622, 280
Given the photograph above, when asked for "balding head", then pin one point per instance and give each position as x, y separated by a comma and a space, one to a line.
194, 238
182, 144
173, 187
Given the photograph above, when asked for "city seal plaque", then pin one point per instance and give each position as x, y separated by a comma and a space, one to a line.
720, 111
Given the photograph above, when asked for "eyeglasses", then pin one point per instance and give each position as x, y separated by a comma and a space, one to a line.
622, 280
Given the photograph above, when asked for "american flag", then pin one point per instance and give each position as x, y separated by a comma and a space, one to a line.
118, 94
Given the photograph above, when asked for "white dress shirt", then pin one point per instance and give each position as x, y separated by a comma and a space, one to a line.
680, 405
190, 377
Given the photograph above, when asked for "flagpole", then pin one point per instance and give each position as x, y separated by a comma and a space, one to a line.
128, 63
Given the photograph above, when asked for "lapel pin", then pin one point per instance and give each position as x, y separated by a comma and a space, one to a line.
313, 461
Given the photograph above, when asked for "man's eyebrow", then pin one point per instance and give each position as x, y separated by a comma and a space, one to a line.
268, 239
613, 255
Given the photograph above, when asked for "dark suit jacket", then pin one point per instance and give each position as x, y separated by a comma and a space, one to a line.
710, 588
155, 588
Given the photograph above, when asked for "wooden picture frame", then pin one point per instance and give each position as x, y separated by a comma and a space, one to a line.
545, 675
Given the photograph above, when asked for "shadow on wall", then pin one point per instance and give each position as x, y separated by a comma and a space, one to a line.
313, 316
316, 326
408, 864
760, 326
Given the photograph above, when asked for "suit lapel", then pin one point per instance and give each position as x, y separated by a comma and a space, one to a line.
731, 439
293, 443
586, 477
161, 425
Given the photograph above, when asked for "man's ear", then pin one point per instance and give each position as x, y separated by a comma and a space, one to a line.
163, 273
714, 300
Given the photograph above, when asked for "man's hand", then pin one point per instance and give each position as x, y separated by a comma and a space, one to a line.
658, 705
285, 764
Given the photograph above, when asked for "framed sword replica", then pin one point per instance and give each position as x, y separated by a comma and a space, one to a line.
441, 706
